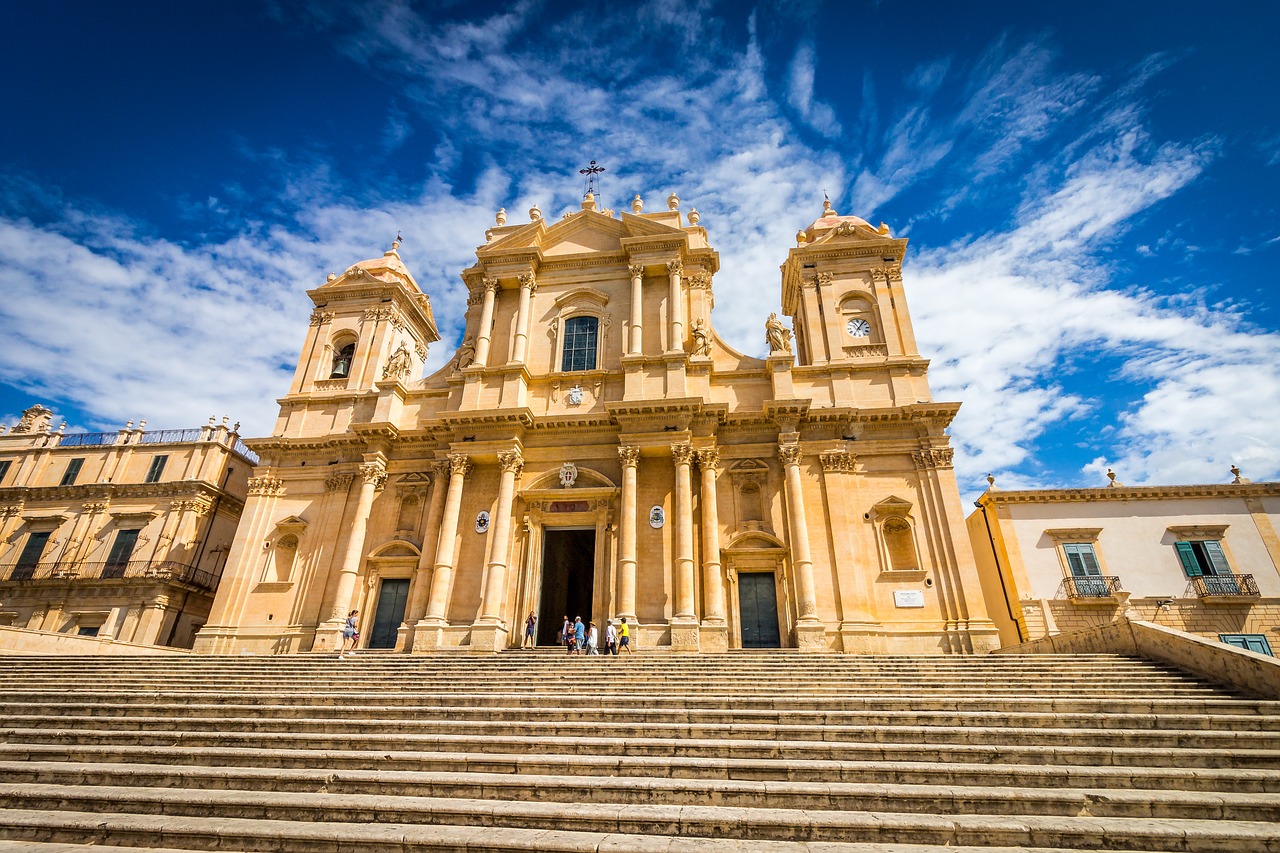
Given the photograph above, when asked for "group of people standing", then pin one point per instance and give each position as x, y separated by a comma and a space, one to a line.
583, 638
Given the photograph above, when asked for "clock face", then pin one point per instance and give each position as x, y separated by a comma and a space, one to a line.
858, 328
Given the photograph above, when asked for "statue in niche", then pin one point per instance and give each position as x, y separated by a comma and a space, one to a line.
400, 363
777, 335
466, 352
701, 340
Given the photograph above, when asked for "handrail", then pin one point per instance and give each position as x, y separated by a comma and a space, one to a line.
1092, 586
166, 570
1211, 586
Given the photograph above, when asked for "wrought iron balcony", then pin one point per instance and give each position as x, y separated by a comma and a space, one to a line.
1225, 586
1093, 586
134, 570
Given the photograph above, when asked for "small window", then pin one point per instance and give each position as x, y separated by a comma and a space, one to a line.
1082, 559
156, 470
4, 469
1203, 558
342, 358
73, 471
1250, 642
580, 343
86, 631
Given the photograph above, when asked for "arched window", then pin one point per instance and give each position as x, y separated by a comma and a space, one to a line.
859, 320
580, 334
900, 545
342, 356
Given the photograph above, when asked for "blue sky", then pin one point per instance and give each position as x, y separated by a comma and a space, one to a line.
1091, 198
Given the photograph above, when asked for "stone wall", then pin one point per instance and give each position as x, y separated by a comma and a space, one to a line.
21, 641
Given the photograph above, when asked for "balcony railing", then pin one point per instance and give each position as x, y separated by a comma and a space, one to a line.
136, 569
1093, 586
1229, 586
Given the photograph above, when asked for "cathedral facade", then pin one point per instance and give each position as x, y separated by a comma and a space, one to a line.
594, 449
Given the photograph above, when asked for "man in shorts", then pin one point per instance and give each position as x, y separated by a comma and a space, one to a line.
530, 629
624, 638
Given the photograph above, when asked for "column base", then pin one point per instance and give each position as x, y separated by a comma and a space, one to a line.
684, 636
811, 637
488, 638
861, 638
714, 638
428, 635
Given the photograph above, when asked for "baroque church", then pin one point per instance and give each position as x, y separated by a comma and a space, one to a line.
595, 449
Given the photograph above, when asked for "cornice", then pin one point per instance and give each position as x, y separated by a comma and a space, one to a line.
1130, 493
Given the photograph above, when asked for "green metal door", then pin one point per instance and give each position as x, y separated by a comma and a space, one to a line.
758, 609
391, 600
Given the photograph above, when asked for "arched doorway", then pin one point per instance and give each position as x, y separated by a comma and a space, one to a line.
759, 606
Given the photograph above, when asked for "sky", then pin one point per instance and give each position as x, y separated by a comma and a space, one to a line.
1090, 194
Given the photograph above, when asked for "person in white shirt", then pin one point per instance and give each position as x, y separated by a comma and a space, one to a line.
593, 640
610, 639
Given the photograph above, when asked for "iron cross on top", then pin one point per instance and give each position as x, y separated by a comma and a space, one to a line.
591, 172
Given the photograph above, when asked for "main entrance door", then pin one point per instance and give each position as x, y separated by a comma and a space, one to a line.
568, 576
386, 621
758, 609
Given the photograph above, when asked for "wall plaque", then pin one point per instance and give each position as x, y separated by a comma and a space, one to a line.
908, 598
482, 522
657, 517
569, 506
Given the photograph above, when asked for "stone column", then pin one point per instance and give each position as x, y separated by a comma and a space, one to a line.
528, 286
486, 322
684, 623
441, 579
426, 560
715, 631
373, 474
637, 308
630, 457
490, 630
675, 307
810, 632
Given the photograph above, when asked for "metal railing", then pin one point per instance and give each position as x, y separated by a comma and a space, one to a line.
244, 451
170, 436
164, 570
1212, 586
1092, 586
88, 439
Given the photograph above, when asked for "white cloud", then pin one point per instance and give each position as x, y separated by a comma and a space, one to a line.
800, 95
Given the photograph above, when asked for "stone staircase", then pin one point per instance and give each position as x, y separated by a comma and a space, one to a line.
653, 752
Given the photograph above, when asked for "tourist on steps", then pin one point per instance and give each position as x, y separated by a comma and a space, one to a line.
579, 634
349, 635
563, 636
593, 640
530, 627
624, 637
610, 639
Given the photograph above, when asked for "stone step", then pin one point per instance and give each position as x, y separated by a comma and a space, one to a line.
917, 771
923, 736
745, 824
704, 716
391, 742
646, 791
1163, 707
130, 833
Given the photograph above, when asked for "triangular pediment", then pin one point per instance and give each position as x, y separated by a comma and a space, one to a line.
581, 232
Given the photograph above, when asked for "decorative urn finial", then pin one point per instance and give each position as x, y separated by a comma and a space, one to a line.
827, 209
501, 217
535, 213
694, 216
673, 202
637, 205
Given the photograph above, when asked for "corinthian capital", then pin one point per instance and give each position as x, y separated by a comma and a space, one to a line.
510, 461
459, 463
630, 456
373, 472
675, 267
838, 461
337, 483
636, 270
789, 454
490, 285
709, 459
529, 280
682, 454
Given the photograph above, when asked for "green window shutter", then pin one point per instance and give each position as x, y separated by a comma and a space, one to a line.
1188, 557
1217, 559
1082, 559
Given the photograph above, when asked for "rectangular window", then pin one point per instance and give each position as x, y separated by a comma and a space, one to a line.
1201, 558
1252, 642
580, 343
84, 631
1082, 559
121, 551
4, 469
31, 554
73, 471
156, 469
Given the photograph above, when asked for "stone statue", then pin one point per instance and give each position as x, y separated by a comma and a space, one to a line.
399, 364
701, 340
467, 352
35, 419
778, 335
